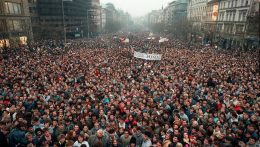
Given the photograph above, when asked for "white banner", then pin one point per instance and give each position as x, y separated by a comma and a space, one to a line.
147, 56
163, 40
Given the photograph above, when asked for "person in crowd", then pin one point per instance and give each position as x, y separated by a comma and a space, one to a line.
125, 139
51, 94
147, 141
98, 138
80, 142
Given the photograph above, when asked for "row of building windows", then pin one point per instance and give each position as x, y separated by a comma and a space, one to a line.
231, 16
233, 3
13, 8
198, 10
232, 29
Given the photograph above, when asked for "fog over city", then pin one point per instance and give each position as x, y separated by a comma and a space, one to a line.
137, 7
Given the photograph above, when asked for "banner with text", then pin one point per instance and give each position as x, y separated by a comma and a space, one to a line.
147, 56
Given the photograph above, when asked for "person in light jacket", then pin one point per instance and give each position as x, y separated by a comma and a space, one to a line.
80, 141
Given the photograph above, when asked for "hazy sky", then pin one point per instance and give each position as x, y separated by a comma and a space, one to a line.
138, 7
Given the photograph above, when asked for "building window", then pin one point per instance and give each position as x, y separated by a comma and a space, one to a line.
246, 2
13, 8
227, 17
244, 16
242, 3
32, 1
240, 16
15, 25
239, 28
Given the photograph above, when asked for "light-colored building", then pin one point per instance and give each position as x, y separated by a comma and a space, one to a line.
175, 12
232, 19
155, 17
94, 15
103, 18
196, 13
252, 25
226, 22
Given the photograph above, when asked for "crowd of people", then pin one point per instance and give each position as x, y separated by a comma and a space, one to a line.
94, 93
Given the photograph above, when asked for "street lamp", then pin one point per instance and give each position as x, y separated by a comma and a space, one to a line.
63, 19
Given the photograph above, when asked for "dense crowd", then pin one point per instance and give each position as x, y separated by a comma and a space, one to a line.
95, 93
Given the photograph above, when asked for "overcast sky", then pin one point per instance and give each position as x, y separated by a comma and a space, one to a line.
138, 7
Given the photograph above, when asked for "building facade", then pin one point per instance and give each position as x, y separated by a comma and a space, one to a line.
228, 22
112, 18
94, 15
52, 19
103, 19
232, 20
155, 17
252, 28
196, 13
15, 21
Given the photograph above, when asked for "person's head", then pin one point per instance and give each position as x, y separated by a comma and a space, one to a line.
83, 145
167, 136
81, 138
185, 135
132, 142
76, 128
96, 124
69, 143
146, 135
108, 127
22, 126
252, 141
61, 138
85, 128
98, 144
100, 133
38, 132
179, 144
29, 137
46, 133
61, 126
126, 133
158, 144
175, 139
115, 143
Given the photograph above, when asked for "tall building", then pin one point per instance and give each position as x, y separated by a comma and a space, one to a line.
175, 12
112, 23
154, 17
51, 19
95, 13
103, 18
15, 21
211, 21
231, 23
196, 13
252, 28
232, 20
